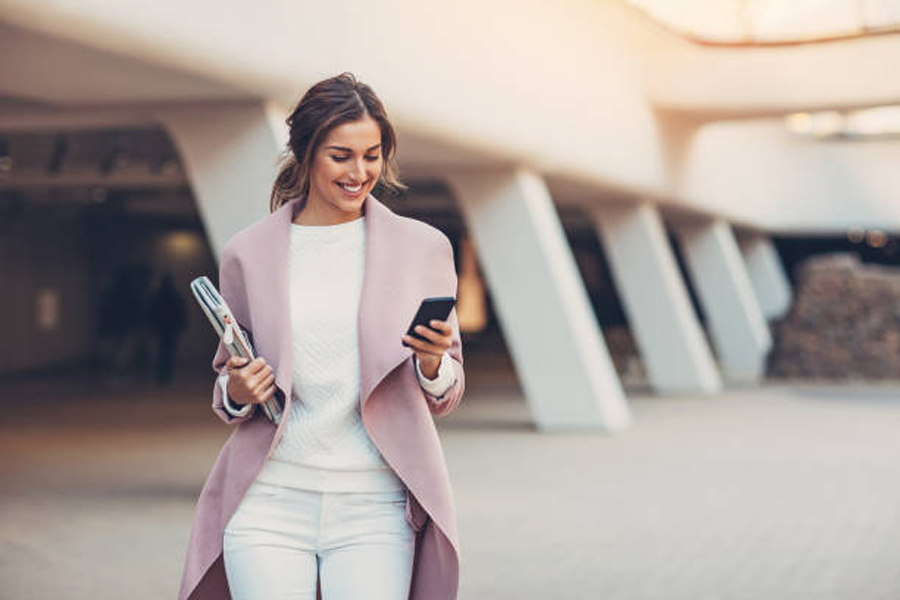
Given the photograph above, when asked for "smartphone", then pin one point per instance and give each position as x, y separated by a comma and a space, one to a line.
438, 307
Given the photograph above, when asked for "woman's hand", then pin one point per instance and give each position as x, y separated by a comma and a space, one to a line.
430, 350
252, 383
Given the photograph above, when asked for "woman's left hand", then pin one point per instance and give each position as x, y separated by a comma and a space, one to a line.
430, 350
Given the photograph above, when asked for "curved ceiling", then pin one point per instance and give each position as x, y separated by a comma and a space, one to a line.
749, 22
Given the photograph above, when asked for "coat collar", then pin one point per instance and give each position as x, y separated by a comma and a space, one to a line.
379, 324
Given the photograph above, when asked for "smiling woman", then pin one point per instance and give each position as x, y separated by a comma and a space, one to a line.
339, 122
350, 492
345, 169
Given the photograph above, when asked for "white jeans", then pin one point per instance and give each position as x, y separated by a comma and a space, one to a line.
280, 540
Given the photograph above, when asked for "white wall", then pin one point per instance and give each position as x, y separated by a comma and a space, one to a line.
759, 173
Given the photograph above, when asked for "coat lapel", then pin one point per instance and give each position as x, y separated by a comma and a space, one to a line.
384, 302
275, 319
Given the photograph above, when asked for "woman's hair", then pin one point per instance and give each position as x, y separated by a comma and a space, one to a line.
328, 104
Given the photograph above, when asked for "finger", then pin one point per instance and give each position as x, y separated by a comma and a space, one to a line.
443, 326
268, 394
257, 365
432, 337
414, 342
264, 385
235, 362
424, 347
256, 381
426, 332
438, 339
263, 393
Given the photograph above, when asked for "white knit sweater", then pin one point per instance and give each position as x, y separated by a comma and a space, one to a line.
325, 446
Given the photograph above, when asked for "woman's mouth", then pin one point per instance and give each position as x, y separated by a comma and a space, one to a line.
350, 188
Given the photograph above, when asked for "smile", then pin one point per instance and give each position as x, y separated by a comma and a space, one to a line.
353, 189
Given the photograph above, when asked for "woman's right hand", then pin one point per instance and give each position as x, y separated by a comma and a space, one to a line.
252, 383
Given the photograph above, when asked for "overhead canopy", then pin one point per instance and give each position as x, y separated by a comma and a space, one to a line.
773, 21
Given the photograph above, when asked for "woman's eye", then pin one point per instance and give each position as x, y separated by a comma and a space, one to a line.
341, 159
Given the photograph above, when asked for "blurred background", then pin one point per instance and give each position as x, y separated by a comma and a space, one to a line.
675, 224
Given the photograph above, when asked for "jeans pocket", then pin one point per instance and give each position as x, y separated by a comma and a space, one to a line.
258, 489
254, 502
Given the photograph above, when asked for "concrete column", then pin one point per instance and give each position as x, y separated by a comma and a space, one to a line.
543, 307
231, 152
739, 330
664, 324
770, 282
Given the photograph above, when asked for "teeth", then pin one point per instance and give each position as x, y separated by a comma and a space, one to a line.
351, 188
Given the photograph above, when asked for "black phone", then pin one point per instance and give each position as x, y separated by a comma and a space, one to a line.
438, 307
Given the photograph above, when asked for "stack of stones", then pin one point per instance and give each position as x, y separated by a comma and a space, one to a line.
845, 322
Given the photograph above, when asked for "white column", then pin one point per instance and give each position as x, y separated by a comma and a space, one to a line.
660, 315
230, 151
543, 307
770, 282
739, 330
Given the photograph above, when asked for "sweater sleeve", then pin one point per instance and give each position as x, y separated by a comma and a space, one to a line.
446, 377
235, 410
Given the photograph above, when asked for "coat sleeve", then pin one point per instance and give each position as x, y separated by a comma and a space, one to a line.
231, 287
449, 400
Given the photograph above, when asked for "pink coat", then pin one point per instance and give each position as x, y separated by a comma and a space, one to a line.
405, 261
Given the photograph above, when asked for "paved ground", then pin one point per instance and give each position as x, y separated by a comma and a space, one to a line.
777, 493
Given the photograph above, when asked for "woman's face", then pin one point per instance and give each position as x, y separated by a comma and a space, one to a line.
345, 169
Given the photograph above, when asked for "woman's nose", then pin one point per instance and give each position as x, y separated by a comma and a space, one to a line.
359, 170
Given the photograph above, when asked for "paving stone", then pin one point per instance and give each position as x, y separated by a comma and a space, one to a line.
783, 492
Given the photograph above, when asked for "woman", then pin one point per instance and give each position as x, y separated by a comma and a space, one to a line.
350, 491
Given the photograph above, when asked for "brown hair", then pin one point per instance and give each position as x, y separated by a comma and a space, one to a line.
328, 104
